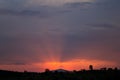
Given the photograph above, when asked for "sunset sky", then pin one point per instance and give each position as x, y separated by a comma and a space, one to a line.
53, 34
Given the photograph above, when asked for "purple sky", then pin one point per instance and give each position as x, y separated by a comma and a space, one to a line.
37, 31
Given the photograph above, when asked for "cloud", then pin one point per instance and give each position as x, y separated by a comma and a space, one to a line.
103, 26
23, 13
40, 8
81, 5
56, 2
10, 63
13, 4
21, 4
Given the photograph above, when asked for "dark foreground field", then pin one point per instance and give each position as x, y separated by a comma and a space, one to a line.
75, 75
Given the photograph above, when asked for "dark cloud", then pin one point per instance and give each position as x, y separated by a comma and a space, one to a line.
13, 4
22, 12
78, 4
104, 26
10, 63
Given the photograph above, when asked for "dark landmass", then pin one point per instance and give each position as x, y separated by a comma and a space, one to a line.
104, 74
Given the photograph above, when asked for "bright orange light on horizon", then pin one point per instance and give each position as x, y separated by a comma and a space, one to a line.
76, 64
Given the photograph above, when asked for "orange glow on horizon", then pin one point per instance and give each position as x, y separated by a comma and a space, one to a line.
76, 64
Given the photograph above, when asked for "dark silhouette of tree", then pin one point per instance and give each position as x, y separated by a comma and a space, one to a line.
116, 68
47, 70
110, 69
103, 68
25, 71
91, 67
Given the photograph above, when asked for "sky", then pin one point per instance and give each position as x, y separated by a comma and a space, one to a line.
53, 34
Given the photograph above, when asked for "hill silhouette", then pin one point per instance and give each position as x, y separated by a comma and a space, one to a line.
102, 74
